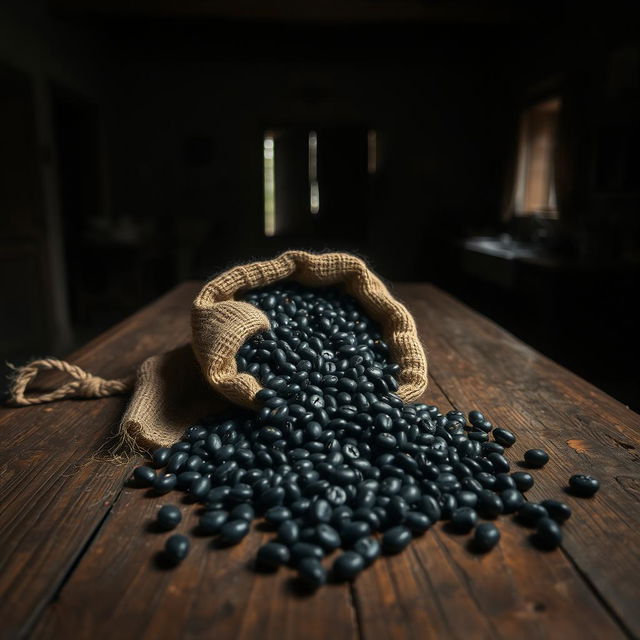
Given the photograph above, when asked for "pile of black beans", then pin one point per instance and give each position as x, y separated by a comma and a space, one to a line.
335, 459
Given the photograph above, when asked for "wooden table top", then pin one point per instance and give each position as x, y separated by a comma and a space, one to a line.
77, 556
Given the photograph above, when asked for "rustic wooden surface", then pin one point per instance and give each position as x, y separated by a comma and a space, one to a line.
77, 558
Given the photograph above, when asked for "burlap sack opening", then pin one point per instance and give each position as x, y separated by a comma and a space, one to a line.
221, 324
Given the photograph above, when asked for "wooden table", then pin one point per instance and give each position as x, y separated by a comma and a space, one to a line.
78, 556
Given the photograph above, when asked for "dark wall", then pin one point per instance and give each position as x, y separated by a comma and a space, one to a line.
440, 103
161, 122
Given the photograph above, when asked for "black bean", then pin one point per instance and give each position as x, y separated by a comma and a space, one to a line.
340, 515
489, 504
169, 516
313, 486
193, 463
233, 531
417, 521
165, 483
504, 437
512, 500
271, 497
504, 481
523, 480
464, 519
176, 548
386, 440
396, 539
277, 515
466, 499
366, 499
499, 462
212, 521
484, 425
369, 516
186, 478
410, 493
336, 496
176, 461
242, 512
583, 485
272, 555
288, 532
301, 550
327, 537
265, 394
348, 565
351, 531
430, 507
487, 480
492, 447
213, 443
548, 534
368, 548
240, 493
530, 512
536, 458
390, 486
161, 456
199, 487
557, 510
311, 572
448, 505
397, 509
224, 471
486, 536
144, 476
320, 511
308, 534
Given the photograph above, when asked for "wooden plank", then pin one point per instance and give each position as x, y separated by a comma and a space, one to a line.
56, 489
119, 585
479, 365
434, 589
439, 589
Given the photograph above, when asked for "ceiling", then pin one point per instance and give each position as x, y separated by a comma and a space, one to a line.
316, 11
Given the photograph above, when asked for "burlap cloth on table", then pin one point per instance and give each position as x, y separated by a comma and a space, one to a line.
175, 389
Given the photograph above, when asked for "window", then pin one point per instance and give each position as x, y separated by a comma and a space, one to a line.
314, 187
269, 185
317, 179
535, 192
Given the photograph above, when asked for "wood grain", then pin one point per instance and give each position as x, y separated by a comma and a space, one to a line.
212, 591
479, 365
56, 486
78, 558
440, 589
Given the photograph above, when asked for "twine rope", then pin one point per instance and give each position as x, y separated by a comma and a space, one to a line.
83, 385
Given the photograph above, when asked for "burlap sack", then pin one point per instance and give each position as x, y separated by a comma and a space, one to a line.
220, 324
175, 389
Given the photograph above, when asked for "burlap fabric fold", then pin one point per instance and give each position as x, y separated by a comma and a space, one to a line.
170, 394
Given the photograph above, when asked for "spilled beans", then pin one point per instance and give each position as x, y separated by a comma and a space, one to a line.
334, 461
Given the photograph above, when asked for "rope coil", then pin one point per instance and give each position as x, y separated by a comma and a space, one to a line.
83, 385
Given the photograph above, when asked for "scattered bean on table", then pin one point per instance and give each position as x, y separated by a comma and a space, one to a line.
335, 459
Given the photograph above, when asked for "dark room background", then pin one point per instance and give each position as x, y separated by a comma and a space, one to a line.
489, 147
